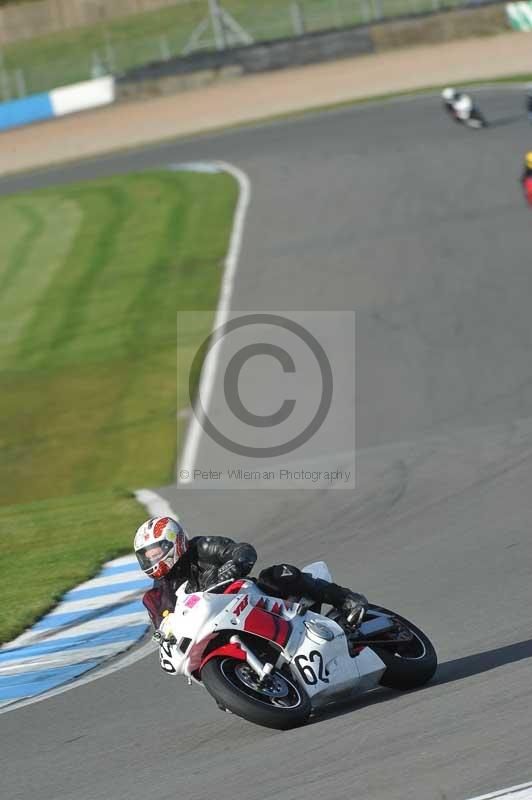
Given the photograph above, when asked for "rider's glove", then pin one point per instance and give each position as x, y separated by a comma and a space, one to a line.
241, 563
229, 571
354, 607
160, 638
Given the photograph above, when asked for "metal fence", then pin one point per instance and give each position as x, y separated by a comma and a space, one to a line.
44, 63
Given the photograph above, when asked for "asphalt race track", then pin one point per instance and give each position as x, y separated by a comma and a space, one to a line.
420, 226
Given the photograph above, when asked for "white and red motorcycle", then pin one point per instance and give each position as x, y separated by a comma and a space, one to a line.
466, 112
273, 662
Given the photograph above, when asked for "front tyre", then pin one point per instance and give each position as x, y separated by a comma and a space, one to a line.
409, 665
278, 703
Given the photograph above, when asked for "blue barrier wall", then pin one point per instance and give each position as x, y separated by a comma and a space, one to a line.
57, 102
25, 110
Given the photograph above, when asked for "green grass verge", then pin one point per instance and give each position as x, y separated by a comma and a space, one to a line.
58, 59
91, 277
53, 545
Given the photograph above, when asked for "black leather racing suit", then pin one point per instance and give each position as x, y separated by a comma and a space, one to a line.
287, 581
527, 173
211, 559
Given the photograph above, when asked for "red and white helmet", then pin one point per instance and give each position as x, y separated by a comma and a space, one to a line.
159, 543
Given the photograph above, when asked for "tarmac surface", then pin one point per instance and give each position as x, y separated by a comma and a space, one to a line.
420, 226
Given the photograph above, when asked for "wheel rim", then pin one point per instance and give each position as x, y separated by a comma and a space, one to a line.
414, 649
276, 686
277, 691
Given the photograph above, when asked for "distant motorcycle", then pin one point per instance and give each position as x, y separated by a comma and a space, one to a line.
273, 662
466, 112
462, 109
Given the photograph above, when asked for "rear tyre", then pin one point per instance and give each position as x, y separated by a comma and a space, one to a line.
409, 665
477, 120
279, 703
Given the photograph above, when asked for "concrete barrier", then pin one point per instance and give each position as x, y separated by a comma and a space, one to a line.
80, 96
177, 73
28, 109
172, 84
57, 103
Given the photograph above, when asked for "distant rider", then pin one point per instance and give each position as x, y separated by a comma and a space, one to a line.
166, 554
529, 103
527, 169
457, 104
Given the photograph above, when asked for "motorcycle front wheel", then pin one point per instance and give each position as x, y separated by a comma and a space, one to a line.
279, 702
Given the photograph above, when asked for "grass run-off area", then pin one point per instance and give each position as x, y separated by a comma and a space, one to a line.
92, 276
117, 45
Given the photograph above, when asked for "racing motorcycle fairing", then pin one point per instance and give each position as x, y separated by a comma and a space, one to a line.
232, 650
318, 569
312, 647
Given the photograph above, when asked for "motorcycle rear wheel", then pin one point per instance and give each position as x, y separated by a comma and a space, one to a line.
477, 121
280, 703
411, 665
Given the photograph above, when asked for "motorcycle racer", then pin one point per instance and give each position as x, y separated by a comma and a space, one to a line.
166, 554
458, 104
527, 169
526, 178
529, 103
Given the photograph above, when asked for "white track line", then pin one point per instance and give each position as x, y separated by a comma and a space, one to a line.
123, 561
110, 580
156, 505
521, 792
208, 372
88, 604
98, 625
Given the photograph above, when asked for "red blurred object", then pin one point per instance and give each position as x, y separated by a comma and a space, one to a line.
527, 188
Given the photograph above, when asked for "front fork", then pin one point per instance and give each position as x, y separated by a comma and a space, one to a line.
262, 670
